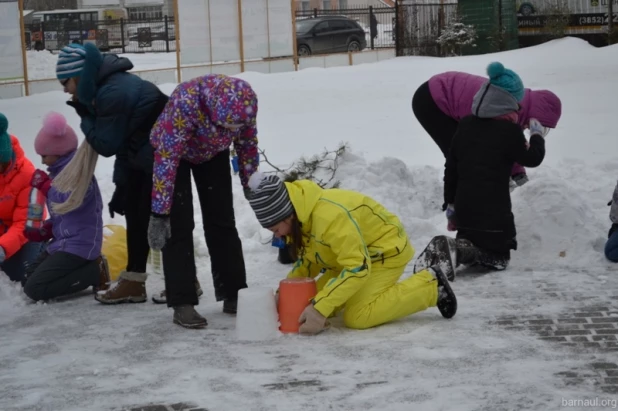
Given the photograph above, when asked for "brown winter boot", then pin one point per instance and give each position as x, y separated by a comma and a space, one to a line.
130, 288
104, 279
161, 298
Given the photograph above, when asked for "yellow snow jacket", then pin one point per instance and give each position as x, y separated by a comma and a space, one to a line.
345, 232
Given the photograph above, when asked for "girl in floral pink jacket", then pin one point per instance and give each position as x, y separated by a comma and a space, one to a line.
202, 119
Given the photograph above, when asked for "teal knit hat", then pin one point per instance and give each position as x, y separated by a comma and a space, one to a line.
506, 79
6, 148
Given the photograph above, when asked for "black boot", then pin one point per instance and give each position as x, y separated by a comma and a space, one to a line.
494, 261
230, 306
441, 251
186, 316
467, 253
284, 255
447, 302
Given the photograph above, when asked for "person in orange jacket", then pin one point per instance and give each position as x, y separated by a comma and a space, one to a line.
20, 204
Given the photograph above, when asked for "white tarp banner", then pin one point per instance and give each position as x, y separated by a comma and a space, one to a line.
209, 31
11, 63
280, 28
194, 19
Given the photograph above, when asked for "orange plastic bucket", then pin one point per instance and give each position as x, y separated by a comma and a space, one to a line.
294, 296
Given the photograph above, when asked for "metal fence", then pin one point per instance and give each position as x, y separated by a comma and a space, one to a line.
377, 22
120, 36
419, 26
412, 29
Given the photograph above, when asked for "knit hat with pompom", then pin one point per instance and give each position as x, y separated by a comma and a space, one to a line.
6, 147
506, 79
56, 137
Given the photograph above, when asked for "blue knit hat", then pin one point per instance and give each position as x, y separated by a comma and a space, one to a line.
6, 147
506, 79
71, 61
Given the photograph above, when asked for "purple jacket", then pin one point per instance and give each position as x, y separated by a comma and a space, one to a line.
80, 231
453, 92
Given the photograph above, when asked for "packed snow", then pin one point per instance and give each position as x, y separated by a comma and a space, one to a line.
257, 318
42, 64
77, 354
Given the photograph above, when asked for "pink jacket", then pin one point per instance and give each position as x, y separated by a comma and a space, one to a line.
453, 92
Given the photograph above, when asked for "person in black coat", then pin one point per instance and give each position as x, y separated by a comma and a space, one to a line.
483, 151
118, 110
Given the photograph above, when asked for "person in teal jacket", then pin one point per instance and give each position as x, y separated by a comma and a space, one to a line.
117, 110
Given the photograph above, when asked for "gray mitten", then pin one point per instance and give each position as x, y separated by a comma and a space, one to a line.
159, 231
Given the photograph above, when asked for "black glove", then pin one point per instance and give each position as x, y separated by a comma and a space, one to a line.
613, 228
80, 108
118, 202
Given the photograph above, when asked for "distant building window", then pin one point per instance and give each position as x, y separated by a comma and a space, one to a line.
326, 5
145, 12
343, 4
305, 5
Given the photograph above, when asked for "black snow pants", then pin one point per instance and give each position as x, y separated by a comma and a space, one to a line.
137, 215
213, 181
58, 274
438, 125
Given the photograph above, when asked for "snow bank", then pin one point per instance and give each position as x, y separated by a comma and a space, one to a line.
12, 299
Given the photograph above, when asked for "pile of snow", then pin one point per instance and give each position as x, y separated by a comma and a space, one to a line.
257, 314
12, 298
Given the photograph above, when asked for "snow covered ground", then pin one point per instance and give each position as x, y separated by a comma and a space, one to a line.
80, 355
42, 64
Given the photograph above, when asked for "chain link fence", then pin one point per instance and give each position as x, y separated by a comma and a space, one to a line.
418, 27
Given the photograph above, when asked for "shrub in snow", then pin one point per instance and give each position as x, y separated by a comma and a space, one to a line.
321, 168
457, 35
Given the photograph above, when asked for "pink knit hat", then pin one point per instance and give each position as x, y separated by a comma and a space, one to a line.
56, 138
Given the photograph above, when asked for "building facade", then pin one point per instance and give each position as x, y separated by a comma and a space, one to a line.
136, 9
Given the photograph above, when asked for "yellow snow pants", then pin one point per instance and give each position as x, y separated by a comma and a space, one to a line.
382, 299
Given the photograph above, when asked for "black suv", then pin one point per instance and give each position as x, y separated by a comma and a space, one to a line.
322, 35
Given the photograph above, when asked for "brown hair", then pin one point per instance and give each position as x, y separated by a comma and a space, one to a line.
296, 247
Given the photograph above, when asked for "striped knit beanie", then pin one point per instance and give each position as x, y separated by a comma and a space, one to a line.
269, 199
71, 61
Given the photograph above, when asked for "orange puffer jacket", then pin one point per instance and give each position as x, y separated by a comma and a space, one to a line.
15, 193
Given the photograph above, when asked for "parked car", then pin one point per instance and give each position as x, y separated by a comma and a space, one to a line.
323, 35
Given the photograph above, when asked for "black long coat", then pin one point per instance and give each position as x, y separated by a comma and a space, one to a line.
478, 168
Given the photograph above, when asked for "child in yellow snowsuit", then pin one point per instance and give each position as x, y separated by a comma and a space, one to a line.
362, 248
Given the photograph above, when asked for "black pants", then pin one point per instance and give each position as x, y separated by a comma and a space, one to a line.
213, 181
438, 125
60, 274
137, 215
